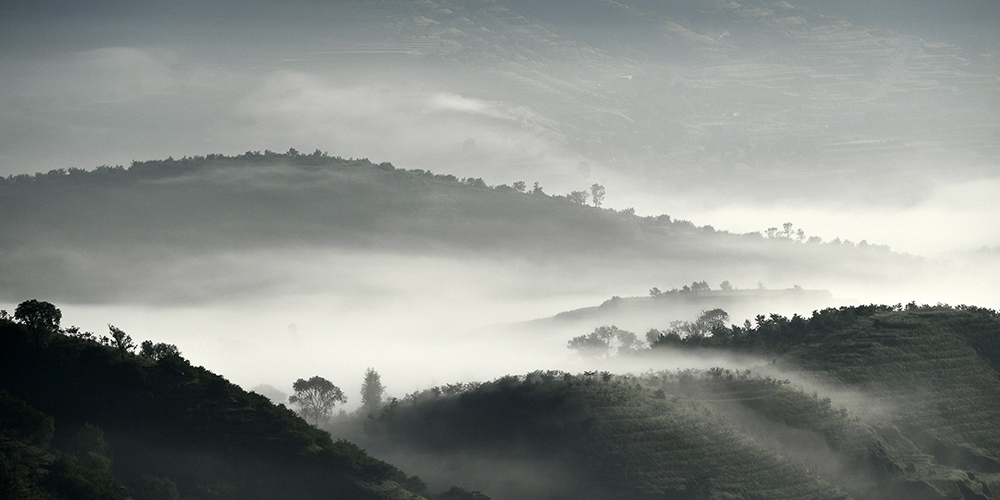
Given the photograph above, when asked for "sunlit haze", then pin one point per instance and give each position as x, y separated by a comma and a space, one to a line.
852, 122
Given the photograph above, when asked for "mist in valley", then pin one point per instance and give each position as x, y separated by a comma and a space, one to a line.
806, 155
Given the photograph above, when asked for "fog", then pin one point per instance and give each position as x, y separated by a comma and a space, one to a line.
419, 321
859, 140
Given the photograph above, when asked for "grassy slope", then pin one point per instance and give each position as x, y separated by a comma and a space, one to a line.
169, 419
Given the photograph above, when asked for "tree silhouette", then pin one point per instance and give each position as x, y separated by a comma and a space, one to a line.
316, 398
371, 391
121, 340
603, 339
597, 194
158, 351
578, 197
41, 318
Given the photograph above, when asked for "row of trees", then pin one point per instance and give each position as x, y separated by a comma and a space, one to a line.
606, 341
772, 334
596, 192
788, 232
317, 396
694, 287
42, 320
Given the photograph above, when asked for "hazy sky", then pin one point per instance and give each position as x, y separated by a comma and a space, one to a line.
83, 85
852, 121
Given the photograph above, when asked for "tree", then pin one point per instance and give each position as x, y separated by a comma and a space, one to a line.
41, 318
371, 391
316, 398
596, 343
520, 186
578, 197
603, 339
121, 340
726, 285
712, 320
597, 194
157, 351
654, 292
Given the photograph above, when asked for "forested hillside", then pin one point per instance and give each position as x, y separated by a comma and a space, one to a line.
79, 419
67, 226
870, 402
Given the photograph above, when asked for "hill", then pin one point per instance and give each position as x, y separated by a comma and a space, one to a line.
78, 420
639, 314
74, 227
867, 402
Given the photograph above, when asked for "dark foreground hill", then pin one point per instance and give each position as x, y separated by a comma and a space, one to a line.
883, 403
79, 421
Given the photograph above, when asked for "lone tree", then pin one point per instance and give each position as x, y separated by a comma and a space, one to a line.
316, 398
121, 340
41, 318
371, 391
603, 340
597, 194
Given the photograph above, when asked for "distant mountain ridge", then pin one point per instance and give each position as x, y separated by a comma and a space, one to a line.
156, 210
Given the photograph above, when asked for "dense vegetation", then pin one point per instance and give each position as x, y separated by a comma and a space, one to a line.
325, 192
85, 419
75, 227
913, 402
879, 402
611, 436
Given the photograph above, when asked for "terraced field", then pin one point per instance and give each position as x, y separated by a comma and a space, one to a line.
616, 436
904, 404
935, 367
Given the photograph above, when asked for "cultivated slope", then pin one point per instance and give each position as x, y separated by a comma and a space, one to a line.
603, 437
884, 402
